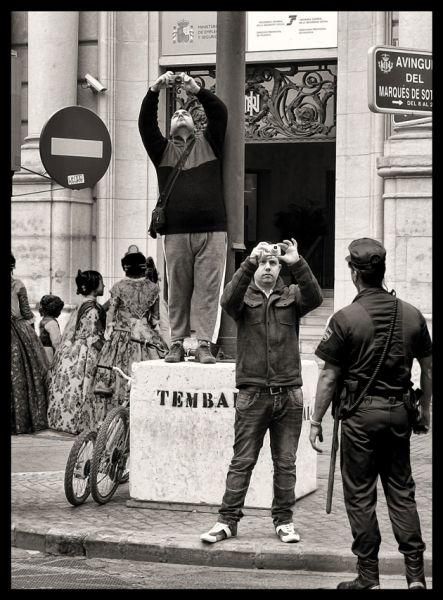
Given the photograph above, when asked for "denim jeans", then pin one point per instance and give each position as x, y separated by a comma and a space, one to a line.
256, 412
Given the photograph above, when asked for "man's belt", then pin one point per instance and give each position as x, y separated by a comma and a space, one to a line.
272, 390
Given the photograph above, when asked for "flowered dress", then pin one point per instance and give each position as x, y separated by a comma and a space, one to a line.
133, 311
72, 407
29, 366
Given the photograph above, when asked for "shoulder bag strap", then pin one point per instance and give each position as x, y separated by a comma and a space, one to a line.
380, 361
164, 196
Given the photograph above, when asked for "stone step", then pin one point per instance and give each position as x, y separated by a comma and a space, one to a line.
315, 320
308, 345
312, 331
321, 311
312, 356
328, 293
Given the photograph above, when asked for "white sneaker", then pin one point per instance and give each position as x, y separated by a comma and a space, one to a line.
287, 533
219, 532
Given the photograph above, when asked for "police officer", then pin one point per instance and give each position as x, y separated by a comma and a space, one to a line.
375, 438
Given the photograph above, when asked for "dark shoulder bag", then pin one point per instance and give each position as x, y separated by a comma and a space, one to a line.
158, 218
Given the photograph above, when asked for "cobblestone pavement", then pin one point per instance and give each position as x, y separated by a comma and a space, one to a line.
43, 520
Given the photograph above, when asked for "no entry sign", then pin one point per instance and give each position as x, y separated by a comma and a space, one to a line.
400, 80
75, 147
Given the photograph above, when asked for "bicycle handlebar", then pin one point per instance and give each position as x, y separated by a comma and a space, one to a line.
120, 372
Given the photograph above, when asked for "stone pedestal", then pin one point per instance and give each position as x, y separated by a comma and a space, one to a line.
182, 433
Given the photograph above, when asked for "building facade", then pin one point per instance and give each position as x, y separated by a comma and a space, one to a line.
318, 163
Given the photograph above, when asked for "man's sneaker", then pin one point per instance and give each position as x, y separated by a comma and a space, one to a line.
220, 531
176, 353
287, 533
203, 354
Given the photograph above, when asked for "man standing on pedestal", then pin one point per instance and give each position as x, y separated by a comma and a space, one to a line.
194, 236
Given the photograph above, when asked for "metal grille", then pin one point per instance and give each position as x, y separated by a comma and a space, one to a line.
284, 103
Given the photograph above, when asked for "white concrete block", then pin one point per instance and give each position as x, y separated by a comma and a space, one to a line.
182, 433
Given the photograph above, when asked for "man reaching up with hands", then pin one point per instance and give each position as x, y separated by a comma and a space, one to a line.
194, 236
268, 377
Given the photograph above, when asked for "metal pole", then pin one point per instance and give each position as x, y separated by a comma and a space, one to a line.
230, 87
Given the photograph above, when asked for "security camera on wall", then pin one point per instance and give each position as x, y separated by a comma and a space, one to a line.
94, 83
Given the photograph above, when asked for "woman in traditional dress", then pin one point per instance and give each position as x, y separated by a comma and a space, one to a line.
50, 308
72, 406
132, 320
29, 365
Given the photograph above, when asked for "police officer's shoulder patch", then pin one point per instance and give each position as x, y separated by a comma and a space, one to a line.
327, 334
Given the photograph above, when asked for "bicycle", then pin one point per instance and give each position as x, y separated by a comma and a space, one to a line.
78, 466
111, 451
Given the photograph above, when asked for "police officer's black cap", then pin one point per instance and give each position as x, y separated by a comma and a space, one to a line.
366, 253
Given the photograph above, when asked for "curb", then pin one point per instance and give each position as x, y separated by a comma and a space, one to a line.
245, 556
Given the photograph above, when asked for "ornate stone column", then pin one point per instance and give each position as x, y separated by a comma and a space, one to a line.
406, 170
51, 228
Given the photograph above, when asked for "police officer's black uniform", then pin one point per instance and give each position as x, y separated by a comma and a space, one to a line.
375, 439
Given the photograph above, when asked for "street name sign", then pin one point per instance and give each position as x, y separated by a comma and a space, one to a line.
75, 147
400, 80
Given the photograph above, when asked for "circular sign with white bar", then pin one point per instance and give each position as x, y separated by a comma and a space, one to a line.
75, 147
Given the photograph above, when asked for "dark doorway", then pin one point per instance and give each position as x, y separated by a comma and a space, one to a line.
290, 192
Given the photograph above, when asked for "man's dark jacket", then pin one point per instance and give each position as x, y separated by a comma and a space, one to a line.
267, 328
196, 202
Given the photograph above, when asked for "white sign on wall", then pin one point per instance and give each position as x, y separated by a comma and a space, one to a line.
191, 32
195, 32
291, 30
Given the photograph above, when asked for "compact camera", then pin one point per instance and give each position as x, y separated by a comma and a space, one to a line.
176, 81
274, 249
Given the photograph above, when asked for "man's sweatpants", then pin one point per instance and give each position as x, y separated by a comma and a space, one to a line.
195, 264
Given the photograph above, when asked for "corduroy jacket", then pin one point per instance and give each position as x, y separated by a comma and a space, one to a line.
267, 328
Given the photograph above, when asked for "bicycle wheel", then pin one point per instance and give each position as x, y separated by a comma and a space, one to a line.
78, 468
110, 455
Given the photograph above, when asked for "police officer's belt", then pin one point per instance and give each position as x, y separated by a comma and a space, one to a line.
389, 396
